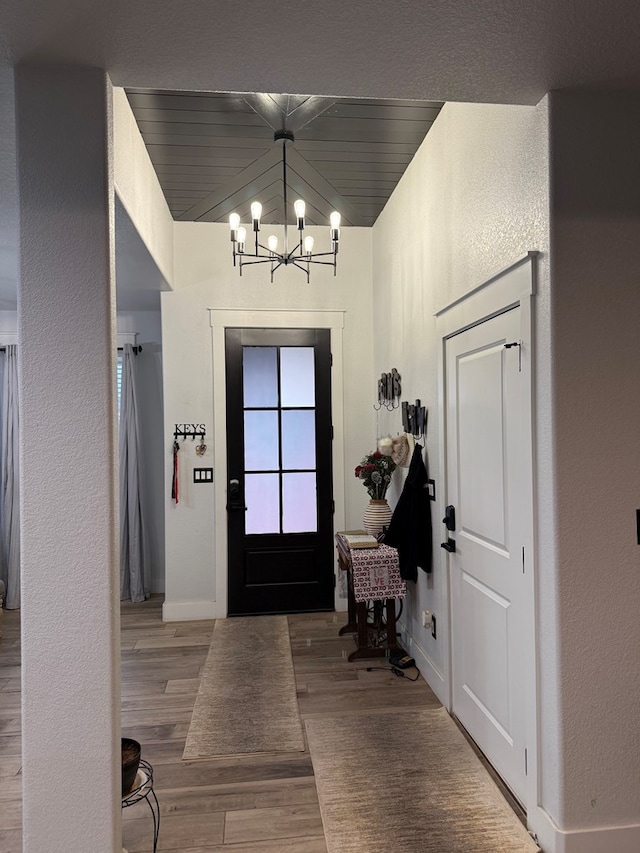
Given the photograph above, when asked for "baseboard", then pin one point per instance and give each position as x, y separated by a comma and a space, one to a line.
190, 611
430, 672
621, 839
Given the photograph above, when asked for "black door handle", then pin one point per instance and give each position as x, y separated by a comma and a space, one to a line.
235, 504
449, 519
449, 545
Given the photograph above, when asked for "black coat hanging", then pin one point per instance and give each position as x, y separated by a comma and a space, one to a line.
410, 526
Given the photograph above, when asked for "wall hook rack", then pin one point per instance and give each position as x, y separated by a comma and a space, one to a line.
192, 431
414, 419
389, 389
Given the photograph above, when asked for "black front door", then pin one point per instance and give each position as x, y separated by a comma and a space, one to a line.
279, 490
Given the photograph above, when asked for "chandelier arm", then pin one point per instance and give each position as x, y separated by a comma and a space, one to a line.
298, 267
250, 260
323, 263
267, 249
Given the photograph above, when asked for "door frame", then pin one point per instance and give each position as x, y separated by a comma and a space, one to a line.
229, 318
513, 287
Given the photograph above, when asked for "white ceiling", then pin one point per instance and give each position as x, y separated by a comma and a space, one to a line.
493, 51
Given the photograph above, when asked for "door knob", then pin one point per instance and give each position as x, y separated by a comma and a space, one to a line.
449, 519
235, 503
449, 545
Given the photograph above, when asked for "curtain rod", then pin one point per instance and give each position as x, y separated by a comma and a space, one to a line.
136, 350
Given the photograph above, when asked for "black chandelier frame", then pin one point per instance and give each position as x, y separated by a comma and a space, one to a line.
297, 256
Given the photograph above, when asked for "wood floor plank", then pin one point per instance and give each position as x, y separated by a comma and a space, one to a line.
174, 642
10, 840
265, 824
314, 844
240, 804
176, 833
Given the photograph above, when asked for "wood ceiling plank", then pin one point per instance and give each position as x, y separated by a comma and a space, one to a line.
227, 154
200, 117
390, 102
222, 172
195, 194
267, 108
252, 173
322, 186
188, 184
335, 171
307, 112
366, 192
366, 110
348, 183
359, 157
241, 199
365, 130
213, 143
315, 147
287, 112
191, 101
162, 158
205, 131
271, 207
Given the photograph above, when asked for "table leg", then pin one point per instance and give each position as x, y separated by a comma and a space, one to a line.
392, 636
364, 650
352, 625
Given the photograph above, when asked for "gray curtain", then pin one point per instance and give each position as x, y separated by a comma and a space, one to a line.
10, 481
135, 568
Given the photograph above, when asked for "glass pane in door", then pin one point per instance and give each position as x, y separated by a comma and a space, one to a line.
262, 499
299, 439
260, 376
299, 503
261, 440
297, 377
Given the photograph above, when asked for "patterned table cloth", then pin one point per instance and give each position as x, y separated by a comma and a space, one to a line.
375, 574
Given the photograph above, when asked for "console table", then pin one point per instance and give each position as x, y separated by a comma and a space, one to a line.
372, 575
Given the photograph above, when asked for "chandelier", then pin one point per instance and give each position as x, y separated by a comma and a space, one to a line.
302, 254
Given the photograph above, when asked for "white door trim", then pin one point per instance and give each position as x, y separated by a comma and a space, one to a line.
226, 318
511, 287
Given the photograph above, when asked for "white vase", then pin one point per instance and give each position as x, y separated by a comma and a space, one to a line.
376, 516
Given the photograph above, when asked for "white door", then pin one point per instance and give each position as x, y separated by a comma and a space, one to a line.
486, 479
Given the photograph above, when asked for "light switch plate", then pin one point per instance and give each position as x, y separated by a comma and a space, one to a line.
203, 475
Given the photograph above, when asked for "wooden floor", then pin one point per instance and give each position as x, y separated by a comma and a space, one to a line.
253, 804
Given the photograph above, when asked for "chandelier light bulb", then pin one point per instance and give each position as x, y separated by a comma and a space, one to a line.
242, 236
272, 242
334, 219
256, 213
308, 245
234, 221
299, 207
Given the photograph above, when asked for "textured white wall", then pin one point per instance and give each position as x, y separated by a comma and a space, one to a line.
472, 201
205, 278
138, 189
66, 313
593, 606
8, 194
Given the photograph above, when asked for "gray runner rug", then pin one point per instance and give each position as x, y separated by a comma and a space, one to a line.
410, 783
247, 701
